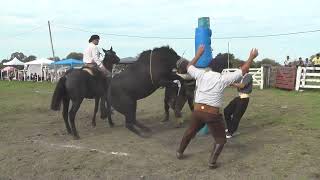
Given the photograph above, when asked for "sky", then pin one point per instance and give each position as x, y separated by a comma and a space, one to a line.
24, 26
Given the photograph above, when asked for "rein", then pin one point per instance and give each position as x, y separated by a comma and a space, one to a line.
150, 68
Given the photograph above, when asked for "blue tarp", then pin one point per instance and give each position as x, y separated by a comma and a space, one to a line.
70, 62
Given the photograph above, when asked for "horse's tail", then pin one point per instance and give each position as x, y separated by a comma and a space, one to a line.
58, 94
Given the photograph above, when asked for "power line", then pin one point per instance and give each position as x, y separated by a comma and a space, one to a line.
123, 35
163, 37
23, 33
188, 38
269, 35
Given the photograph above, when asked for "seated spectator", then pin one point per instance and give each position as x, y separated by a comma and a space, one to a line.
308, 63
316, 60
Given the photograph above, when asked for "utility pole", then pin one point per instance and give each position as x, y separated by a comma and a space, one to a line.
54, 57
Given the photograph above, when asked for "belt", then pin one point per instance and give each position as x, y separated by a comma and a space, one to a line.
244, 95
206, 108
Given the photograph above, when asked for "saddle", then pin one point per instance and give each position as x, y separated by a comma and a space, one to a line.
92, 69
95, 73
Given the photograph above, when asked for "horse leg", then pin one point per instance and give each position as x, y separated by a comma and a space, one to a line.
72, 114
65, 110
96, 105
103, 110
166, 110
180, 101
109, 112
126, 106
137, 123
190, 102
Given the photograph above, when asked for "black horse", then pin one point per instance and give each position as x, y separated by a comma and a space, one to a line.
78, 84
152, 70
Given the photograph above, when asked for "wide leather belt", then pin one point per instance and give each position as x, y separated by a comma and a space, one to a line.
206, 108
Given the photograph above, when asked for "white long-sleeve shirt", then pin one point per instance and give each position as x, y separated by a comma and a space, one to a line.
92, 55
210, 85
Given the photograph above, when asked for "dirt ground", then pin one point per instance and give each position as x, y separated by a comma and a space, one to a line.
34, 143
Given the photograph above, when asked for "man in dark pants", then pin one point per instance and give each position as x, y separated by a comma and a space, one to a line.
210, 85
237, 107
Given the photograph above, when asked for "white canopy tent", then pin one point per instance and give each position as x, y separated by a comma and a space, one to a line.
37, 66
14, 62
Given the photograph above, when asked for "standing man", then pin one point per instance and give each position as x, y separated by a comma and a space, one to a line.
287, 61
210, 85
237, 107
308, 63
92, 57
300, 63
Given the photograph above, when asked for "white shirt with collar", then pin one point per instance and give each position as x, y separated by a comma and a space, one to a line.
92, 55
210, 85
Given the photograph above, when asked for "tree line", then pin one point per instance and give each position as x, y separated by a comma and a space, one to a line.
234, 62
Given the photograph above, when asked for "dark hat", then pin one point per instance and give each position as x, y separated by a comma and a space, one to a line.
219, 63
93, 37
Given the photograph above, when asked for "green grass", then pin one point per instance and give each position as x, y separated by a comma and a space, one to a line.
279, 138
23, 97
298, 109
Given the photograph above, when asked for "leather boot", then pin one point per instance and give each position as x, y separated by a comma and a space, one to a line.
217, 148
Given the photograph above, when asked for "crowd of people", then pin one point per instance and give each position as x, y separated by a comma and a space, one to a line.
315, 62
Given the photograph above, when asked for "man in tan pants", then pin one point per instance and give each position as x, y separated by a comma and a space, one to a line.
208, 101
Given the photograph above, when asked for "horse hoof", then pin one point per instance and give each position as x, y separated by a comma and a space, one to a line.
148, 130
76, 137
145, 135
179, 155
93, 124
213, 165
111, 125
165, 120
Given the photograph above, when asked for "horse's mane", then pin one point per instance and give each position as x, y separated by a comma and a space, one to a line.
164, 49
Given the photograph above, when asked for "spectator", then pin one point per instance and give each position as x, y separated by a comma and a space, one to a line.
35, 77
308, 63
287, 61
316, 60
300, 63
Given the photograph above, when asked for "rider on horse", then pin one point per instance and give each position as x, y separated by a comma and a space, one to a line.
92, 57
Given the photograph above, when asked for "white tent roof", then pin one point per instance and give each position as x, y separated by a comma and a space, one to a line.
40, 61
14, 62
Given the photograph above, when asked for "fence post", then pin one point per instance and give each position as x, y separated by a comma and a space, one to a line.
262, 81
298, 78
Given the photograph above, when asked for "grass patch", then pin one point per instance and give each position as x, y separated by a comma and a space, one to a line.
269, 106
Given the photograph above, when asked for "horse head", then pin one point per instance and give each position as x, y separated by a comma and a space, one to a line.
110, 57
169, 56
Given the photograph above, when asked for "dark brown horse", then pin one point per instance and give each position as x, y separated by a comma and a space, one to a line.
152, 69
78, 84
176, 96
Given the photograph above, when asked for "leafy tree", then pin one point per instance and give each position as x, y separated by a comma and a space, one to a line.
30, 58
18, 55
54, 58
75, 55
266, 61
